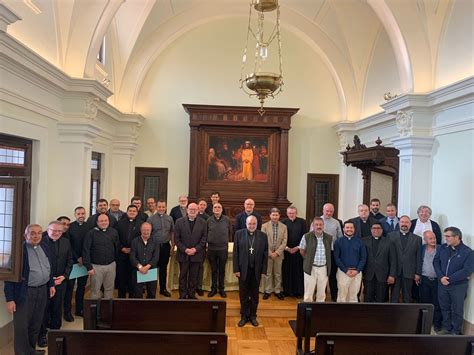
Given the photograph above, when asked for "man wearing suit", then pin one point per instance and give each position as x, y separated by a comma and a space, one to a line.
190, 237
424, 223
390, 223
381, 266
61, 266
250, 261
363, 222
241, 218
408, 248
277, 235
179, 210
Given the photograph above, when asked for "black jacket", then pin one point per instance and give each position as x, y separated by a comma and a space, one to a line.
77, 233
241, 253
127, 231
145, 254
61, 255
100, 247
381, 264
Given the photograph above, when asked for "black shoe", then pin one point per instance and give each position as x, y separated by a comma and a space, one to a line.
223, 294
40, 352
68, 317
200, 292
266, 296
165, 293
192, 297
43, 342
212, 293
280, 296
79, 313
254, 322
242, 322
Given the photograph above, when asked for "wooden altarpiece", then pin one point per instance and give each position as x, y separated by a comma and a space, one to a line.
219, 135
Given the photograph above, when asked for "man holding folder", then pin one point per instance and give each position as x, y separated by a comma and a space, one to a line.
144, 255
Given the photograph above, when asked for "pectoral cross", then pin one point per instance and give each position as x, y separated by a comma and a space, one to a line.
251, 250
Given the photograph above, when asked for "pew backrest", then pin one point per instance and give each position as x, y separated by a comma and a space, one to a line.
99, 342
393, 344
155, 315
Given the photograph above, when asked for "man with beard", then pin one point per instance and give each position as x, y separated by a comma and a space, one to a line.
375, 209
77, 233
250, 261
163, 232
128, 229
408, 248
380, 269
350, 255
101, 208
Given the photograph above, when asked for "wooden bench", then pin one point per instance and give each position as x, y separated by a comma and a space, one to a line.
100, 342
391, 318
393, 344
155, 315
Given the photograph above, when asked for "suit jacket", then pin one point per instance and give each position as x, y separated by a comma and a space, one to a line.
408, 259
61, 255
242, 217
184, 239
357, 225
434, 225
381, 264
282, 237
18, 291
241, 253
176, 213
386, 226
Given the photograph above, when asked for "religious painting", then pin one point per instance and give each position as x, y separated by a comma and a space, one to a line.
238, 158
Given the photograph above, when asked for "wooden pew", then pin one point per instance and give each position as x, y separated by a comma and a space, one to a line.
393, 344
100, 342
391, 318
155, 315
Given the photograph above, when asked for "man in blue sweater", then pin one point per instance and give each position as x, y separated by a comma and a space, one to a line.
350, 254
454, 264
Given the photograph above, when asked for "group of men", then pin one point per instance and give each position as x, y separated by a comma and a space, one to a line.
386, 252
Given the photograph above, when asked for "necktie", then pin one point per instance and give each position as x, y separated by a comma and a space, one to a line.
391, 225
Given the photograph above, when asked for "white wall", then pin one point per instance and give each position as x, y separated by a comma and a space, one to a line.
203, 67
456, 50
453, 191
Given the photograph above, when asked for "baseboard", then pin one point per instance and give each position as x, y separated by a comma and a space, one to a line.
468, 328
6, 334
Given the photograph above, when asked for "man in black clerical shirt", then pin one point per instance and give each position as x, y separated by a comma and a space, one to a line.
61, 267
190, 237
77, 232
250, 261
363, 222
375, 209
128, 229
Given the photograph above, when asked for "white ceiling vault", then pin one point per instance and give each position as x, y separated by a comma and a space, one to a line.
344, 33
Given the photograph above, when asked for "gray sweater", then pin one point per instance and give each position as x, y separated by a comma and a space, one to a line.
218, 232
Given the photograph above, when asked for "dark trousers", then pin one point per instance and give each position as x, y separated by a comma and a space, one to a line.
27, 320
200, 274
124, 277
80, 290
53, 313
188, 277
150, 288
451, 300
404, 285
248, 292
429, 294
165, 250
374, 290
218, 260
332, 278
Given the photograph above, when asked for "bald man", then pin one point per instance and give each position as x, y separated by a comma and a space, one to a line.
249, 210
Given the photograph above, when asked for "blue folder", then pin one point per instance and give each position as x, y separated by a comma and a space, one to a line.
77, 271
151, 275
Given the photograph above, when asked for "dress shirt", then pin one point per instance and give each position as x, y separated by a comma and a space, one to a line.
333, 228
320, 255
421, 227
40, 268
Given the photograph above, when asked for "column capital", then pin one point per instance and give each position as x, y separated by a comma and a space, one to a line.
7, 17
414, 146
